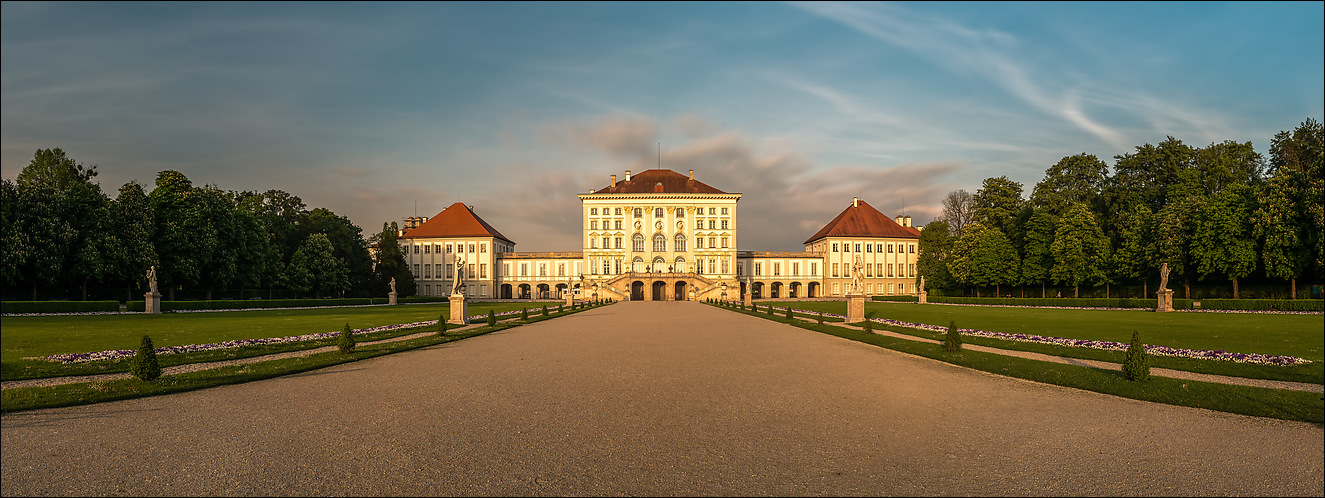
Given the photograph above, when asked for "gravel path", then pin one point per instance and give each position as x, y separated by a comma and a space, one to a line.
670, 398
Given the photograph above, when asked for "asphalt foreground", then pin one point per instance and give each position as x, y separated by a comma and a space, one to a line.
652, 398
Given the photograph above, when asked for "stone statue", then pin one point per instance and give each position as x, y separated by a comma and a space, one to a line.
151, 279
922, 284
458, 287
857, 275
393, 285
1164, 276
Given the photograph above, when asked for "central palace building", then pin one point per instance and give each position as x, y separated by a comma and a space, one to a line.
661, 235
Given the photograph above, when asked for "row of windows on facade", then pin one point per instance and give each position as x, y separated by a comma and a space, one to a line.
871, 271
660, 242
870, 288
659, 212
450, 271
713, 224
431, 248
427, 290
846, 247
659, 265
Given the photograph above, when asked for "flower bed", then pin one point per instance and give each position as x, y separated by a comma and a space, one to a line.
1263, 359
118, 354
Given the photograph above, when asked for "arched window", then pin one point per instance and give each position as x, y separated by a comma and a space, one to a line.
680, 264
639, 213
637, 243
659, 265
658, 212
659, 243
680, 244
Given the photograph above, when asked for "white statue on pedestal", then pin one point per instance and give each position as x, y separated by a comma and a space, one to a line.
151, 279
458, 287
857, 275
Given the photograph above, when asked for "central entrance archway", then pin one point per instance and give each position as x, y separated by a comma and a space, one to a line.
659, 288
680, 291
637, 291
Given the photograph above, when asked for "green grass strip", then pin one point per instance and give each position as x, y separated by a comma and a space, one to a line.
1245, 400
32, 398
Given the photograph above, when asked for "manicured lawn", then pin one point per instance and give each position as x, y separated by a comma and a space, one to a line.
46, 335
1302, 336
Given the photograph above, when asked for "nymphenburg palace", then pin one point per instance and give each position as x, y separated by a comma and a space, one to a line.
661, 235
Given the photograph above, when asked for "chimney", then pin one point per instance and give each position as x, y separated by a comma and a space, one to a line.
627, 175
692, 175
855, 202
613, 181
658, 187
590, 191
908, 222
900, 220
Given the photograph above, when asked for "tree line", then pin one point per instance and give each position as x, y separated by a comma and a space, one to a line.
61, 232
1221, 213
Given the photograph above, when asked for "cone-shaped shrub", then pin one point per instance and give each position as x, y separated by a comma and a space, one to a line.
1136, 366
561, 308
820, 317
524, 313
346, 343
789, 313
144, 365
544, 310
492, 319
952, 343
868, 325
441, 326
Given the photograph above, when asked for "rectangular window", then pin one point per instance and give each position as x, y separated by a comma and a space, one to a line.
890, 248
505, 269
724, 242
912, 248
593, 224
593, 242
912, 270
618, 224
858, 247
835, 274
890, 289
471, 270
416, 249
618, 242
482, 248
759, 269
869, 289
725, 224
483, 270
725, 266
618, 212
777, 269
593, 211
846, 247
869, 270
618, 266
524, 269
879, 249
713, 224
542, 269
836, 289
890, 269
901, 288
713, 265
450, 268
835, 247
795, 269
416, 270
878, 269
448, 248
699, 242
680, 212
471, 248
711, 242
712, 211
814, 269
869, 247
606, 242
427, 271
427, 249
724, 210
561, 269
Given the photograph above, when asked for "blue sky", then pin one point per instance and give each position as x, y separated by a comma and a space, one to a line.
514, 108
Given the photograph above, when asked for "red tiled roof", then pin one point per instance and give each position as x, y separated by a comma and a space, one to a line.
864, 221
455, 221
646, 182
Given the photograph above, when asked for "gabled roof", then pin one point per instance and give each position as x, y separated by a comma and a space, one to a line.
454, 221
862, 220
647, 182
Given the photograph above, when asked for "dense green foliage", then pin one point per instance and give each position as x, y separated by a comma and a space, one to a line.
345, 342
144, 365
62, 235
58, 306
952, 342
1136, 365
254, 303
1221, 215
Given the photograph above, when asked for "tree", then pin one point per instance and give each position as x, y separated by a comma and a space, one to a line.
133, 222
1222, 242
177, 243
1080, 250
1300, 155
1136, 365
1145, 175
952, 343
983, 256
1135, 251
391, 263
314, 269
64, 217
1037, 252
1278, 227
17, 248
347, 244
1174, 229
997, 203
217, 241
1073, 180
958, 209
1228, 163
935, 246
346, 342
144, 365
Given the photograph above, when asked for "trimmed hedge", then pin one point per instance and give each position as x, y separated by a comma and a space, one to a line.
420, 299
138, 306
58, 306
1181, 304
898, 299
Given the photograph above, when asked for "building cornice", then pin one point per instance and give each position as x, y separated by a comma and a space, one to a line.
601, 197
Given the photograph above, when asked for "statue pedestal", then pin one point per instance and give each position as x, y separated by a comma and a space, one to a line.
391, 297
459, 310
570, 298
855, 308
1165, 303
924, 297
153, 303
749, 301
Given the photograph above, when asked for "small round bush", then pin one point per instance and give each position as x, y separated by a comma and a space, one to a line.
144, 365
953, 342
346, 343
1136, 366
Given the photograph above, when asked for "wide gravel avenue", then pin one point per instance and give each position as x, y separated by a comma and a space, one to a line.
652, 398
